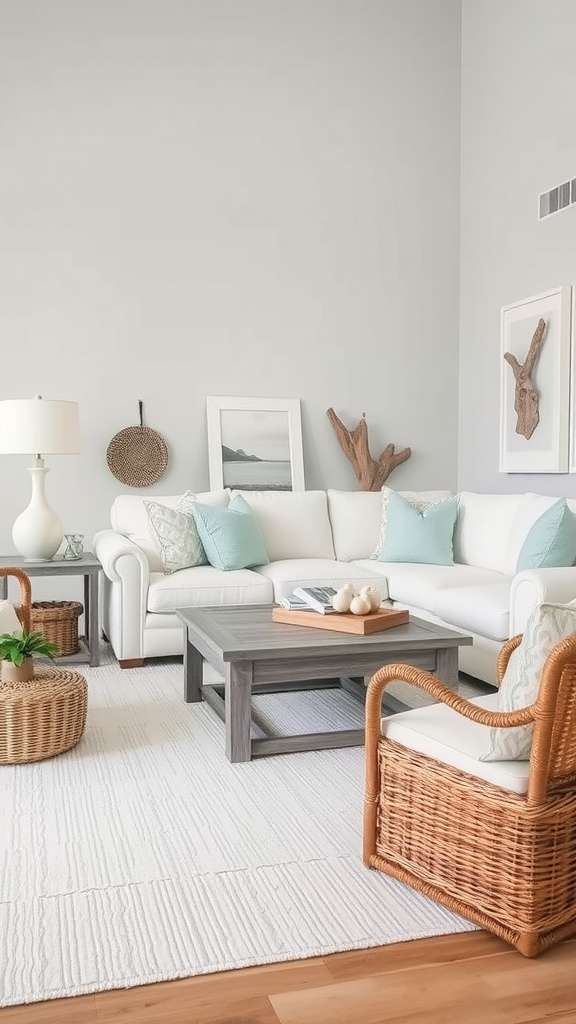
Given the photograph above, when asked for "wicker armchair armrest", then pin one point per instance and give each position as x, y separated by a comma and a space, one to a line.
24, 608
504, 656
437, 689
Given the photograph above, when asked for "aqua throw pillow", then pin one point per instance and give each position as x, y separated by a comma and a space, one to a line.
231, 536
551, 541
419, 535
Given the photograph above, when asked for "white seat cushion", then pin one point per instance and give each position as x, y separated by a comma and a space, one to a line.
287, 574
483, 609
414, 583
205, 585
440, 733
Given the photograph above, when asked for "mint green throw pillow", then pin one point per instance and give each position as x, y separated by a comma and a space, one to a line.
231, 537
551, 541
414, 535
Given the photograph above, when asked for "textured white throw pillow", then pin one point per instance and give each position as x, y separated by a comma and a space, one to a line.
176, 533
547, 625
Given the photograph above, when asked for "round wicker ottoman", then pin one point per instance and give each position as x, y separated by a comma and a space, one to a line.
42, 717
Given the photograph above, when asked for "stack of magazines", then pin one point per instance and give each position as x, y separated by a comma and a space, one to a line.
310, 599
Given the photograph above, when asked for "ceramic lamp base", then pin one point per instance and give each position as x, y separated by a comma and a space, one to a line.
37, 532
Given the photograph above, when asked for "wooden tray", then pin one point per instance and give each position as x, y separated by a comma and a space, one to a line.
344, 622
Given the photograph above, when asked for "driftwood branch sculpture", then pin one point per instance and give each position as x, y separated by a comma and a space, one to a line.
526, 395
370, 473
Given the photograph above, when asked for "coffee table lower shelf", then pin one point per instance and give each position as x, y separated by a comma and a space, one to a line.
264, 742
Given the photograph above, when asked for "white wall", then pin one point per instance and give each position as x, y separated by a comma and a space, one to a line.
230, 197
518, 140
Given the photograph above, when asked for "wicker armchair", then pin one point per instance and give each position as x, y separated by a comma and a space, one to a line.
22, 610
504, 860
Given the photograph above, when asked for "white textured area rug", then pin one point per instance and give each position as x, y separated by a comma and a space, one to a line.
143, 855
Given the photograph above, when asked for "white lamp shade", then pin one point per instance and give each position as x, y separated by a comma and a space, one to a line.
35, 426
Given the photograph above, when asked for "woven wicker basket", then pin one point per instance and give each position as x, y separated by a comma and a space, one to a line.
137, 455
42, 717
47, 714
58, 620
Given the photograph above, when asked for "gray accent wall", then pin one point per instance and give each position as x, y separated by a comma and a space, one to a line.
322, 199
229, 197
518, 140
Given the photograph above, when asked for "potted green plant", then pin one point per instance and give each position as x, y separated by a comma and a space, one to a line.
16, 651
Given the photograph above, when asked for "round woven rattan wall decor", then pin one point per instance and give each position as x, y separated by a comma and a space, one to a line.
137, 455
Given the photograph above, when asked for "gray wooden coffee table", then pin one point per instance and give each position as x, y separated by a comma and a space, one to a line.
256, 655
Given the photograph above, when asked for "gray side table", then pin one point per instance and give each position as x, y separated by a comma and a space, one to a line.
89, 567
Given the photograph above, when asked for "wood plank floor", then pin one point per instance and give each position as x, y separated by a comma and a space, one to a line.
471, 978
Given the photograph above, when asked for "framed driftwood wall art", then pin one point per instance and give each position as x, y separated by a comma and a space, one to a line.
535, 383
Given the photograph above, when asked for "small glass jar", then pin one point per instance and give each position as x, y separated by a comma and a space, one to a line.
74, 545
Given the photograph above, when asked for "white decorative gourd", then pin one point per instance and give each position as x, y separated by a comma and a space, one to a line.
341, 600
360, 605
373, 596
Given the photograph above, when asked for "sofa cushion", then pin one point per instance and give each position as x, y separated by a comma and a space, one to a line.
551, 541
442, 734
294, 524
287, 574
176, 534
419, 500
483, 528
415, 534
203, 585
418, 585
355, 518
483, 608
547, 625
128, 516
231, 537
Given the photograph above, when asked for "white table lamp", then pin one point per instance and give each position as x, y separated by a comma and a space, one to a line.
37, 427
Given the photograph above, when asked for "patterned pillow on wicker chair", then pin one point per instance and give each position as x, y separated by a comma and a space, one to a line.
546, 627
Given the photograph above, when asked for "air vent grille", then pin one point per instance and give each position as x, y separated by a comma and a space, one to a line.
557, 199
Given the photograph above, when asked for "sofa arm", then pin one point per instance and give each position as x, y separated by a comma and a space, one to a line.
124, 593
533, 586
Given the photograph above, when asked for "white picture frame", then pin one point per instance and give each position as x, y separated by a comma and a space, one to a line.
546, 450
268, 431
572, 429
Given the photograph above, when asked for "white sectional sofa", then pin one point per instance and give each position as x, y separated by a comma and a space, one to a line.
320, 537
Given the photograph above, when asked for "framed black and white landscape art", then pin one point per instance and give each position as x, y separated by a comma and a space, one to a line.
255, 444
